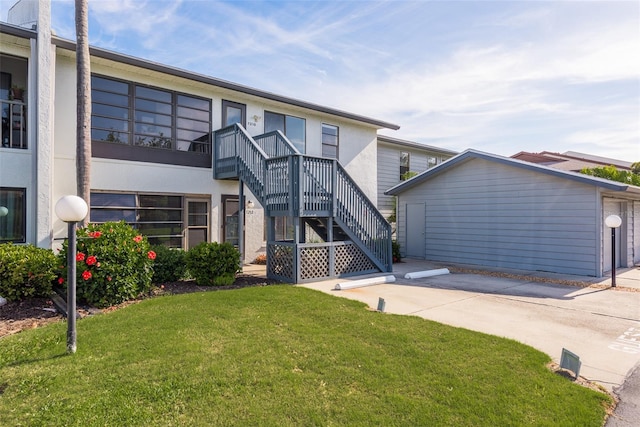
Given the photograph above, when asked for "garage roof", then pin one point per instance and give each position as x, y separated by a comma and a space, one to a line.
471, 154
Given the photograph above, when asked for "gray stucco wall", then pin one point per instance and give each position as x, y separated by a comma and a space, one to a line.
488, 213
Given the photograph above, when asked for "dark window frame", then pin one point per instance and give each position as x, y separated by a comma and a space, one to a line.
284, 131
239, 106
135, 208
404, 168
22, 217
156, 150
326, 141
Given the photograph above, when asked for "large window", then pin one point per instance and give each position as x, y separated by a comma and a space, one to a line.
404, 164
128, 114
13, 212
329, 141
164, 219
13, 102
294, 128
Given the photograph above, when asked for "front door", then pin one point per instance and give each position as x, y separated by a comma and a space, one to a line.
197, 222
415, 229
230, 212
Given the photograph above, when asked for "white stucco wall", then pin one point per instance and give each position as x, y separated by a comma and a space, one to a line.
357, 148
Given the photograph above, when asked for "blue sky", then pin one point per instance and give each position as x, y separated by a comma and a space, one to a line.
497, 76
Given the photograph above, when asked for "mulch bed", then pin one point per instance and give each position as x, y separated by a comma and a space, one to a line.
16, 316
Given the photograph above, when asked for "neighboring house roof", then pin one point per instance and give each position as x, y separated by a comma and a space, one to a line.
474, 154
416, 145
571, 160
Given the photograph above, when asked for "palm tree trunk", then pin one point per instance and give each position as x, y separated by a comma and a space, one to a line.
83, 131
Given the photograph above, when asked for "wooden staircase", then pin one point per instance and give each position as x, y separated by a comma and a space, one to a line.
317, 194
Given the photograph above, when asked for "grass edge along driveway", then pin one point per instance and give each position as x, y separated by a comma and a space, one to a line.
282, 356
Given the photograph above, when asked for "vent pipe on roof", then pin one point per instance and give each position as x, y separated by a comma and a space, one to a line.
24, 13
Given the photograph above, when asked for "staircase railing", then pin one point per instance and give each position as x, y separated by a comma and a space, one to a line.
302, 186
361, 220
275, 144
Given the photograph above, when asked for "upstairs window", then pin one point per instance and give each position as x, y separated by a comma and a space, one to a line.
294, 128
404, 164
13, 102
329, 141
129, 114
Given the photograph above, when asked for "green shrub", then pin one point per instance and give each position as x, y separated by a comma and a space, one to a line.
213, 263
169, 265
25, 271
395, 251
114, 264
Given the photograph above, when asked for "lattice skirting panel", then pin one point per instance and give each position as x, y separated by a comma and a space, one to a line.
315, 261
280, 262
350, 260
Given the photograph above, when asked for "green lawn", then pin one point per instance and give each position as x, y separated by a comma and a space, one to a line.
279, 356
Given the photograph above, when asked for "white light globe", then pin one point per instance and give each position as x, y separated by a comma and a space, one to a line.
71, 209
613, 221
3, 211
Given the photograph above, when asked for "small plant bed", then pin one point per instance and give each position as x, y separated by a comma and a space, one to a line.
30, 313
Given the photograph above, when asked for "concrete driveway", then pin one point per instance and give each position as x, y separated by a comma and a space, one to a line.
600, 325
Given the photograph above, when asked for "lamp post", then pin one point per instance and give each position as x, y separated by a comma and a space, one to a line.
613, 222
71, 209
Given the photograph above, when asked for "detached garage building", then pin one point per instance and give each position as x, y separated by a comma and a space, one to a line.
483, 209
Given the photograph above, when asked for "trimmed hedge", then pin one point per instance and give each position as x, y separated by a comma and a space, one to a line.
213, 264
26, 271
169, 265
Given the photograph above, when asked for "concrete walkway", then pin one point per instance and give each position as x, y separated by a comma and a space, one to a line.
598, 323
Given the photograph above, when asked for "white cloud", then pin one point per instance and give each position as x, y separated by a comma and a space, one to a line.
461, 73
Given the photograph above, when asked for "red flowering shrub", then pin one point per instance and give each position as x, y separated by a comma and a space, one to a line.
114, 264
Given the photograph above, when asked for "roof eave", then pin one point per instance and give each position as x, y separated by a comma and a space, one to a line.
471, 154
178, 72
15, 30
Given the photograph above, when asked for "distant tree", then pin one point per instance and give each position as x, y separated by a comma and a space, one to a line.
83, 126
408, 175
610, 172
635, 168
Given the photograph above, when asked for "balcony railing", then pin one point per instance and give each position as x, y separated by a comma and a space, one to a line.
14, 124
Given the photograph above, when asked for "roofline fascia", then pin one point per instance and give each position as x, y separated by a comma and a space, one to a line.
471, 154
178, 72
412, 144
14, 30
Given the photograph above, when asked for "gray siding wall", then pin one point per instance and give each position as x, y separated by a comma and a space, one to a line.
388, 176
635, 231
389, 170
487, 213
